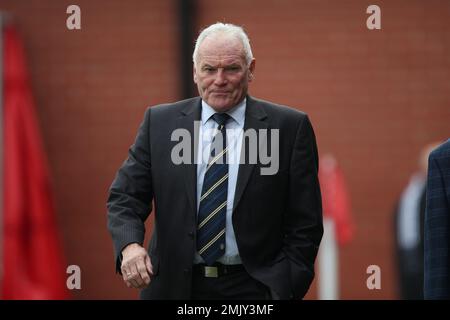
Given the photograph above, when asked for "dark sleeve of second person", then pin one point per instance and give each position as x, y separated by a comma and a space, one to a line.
437, 230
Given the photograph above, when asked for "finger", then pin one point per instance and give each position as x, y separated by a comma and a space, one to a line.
135, 274
148, 265
126, 273
142, 269
133, 283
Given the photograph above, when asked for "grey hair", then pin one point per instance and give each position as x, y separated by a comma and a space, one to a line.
228, 29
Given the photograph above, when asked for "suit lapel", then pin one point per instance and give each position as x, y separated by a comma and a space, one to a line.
255, 118
186, 121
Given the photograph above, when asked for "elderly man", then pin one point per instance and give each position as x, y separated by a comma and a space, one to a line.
223, 229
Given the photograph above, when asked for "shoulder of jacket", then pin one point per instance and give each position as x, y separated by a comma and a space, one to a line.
171, 107
280, 109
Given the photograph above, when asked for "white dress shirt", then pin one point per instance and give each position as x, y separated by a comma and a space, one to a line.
234, 131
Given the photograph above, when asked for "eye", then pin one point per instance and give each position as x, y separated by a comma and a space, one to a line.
233, 68
208, 69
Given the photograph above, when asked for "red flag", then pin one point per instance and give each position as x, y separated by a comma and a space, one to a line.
33, 267
335, 198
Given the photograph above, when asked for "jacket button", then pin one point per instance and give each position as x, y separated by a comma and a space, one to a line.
191, 234
187, 271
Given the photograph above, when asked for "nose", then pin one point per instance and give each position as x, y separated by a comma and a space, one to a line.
220, 79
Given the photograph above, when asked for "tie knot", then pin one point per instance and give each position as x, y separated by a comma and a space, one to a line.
221, 118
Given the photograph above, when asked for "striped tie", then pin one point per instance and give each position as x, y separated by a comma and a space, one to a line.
213, 200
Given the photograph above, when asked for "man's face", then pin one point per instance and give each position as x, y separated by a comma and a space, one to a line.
221, 73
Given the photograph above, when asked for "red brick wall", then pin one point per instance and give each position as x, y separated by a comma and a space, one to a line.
92, 87
374, 97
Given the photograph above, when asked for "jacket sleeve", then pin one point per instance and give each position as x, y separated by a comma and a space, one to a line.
131, 194
303, 218
436, 232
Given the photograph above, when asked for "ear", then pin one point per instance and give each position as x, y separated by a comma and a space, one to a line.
251, 70
195, 74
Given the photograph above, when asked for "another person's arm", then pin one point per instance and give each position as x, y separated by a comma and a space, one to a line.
437, 232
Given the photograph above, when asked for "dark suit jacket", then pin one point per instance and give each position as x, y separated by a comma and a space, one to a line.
437, 225
277, 219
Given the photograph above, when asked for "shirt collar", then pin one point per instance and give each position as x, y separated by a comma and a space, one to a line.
237, 113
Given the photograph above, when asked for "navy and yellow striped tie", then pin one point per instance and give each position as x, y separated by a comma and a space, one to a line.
213, 200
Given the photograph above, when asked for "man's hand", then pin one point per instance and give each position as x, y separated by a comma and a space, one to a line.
136, 266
